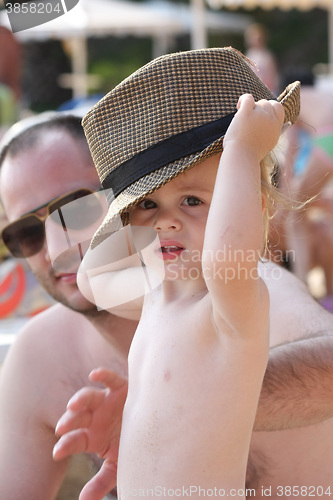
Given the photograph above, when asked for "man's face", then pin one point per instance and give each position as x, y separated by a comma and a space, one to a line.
54, 166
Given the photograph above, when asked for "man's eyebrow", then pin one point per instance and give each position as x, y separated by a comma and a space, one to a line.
39, 207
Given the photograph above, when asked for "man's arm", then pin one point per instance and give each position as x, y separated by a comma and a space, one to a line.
26, 434
298, 384
39, 375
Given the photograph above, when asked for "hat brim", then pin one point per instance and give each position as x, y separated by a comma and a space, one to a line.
116, 217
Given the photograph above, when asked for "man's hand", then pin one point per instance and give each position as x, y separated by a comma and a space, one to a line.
91, 424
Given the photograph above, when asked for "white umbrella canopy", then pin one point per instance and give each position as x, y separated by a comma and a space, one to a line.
123, 17
99, 18
285, 5
271, 4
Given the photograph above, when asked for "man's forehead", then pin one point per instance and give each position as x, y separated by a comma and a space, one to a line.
54, 138
30, 191
37, 141
52, 152
47, 169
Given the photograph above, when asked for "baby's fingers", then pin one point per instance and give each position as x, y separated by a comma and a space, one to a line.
101, 484
107, 377
72, 420
88, 398
278, 109
246, 102
70, 444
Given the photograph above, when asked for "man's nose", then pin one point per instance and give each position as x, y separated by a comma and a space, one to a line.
65, 252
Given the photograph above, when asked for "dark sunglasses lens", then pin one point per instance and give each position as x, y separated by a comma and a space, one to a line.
25, 238
79, 210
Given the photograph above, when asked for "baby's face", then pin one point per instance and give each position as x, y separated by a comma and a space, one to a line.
166, 233
178, 213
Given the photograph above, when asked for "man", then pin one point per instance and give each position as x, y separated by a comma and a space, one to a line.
59, 348
48, 158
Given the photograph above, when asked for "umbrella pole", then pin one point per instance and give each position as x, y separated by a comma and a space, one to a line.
330, 39
198, 29
79, 58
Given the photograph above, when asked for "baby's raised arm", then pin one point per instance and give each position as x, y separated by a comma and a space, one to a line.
235, 230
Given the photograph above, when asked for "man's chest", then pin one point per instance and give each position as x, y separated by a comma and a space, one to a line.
301, 457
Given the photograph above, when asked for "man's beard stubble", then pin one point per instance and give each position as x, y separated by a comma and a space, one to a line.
47, 282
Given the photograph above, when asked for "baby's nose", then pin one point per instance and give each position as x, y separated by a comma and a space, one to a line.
167, 220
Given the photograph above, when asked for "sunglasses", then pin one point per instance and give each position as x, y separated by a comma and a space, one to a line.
25, 237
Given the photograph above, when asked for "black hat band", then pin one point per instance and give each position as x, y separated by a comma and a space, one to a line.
171, 149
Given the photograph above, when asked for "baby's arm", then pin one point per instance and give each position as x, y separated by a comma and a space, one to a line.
92, 424
235, 221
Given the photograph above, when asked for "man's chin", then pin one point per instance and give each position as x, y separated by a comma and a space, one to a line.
65, 291
80, 305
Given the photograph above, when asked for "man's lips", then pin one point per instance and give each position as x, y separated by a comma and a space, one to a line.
66, 277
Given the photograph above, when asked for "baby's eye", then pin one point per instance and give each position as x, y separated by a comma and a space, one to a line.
191, 201
147, 204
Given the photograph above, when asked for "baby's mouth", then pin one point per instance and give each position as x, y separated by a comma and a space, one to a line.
170, 248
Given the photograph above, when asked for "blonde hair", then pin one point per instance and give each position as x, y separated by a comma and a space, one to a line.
274, 198
270, 193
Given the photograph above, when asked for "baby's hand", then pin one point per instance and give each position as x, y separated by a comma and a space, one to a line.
91, 424
256, 126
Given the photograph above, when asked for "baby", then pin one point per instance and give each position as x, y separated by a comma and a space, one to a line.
199, 354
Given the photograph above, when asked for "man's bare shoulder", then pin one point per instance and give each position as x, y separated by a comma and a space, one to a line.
54, 324
54, 316
47, 341
49, 352
294, 312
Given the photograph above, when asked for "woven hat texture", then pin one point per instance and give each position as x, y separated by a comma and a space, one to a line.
165, 118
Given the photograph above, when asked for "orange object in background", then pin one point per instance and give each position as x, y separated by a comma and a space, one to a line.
20, 293
12, 289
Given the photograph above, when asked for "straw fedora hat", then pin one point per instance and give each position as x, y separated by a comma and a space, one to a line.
167, 117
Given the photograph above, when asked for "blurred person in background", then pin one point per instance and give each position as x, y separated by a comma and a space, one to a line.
10, 77
307, 173
256, 39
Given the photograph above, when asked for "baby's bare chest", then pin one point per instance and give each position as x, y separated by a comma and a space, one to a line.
174, 359
168, 342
